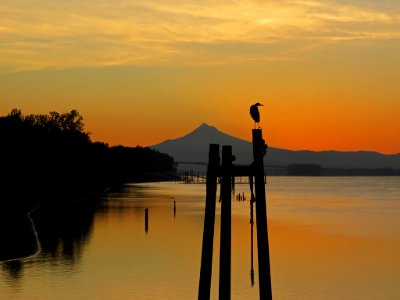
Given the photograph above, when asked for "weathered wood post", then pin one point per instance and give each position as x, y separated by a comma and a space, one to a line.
259, 150
226, 172
209, 221
174, 209
225, 247
146, 220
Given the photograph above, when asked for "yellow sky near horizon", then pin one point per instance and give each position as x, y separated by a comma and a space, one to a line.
143, 72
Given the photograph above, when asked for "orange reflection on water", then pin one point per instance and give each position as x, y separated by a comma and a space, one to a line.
310, 261
325, 244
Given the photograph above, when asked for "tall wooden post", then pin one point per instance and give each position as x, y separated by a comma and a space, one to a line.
209, 221
225, 247
259, 150
146, 220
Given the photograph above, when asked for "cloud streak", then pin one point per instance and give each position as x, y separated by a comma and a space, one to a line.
65, 34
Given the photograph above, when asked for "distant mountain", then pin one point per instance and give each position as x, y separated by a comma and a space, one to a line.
194, 146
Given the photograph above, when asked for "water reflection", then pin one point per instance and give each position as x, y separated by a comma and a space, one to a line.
17, 236
62, 230
323, 244
13, 273
13, 269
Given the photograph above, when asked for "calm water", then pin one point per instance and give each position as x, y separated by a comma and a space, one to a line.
330, 238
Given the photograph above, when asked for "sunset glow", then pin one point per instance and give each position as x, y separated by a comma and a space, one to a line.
143, 72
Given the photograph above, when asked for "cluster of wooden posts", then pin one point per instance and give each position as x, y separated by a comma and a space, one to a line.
200, 177
193, 177
226, 171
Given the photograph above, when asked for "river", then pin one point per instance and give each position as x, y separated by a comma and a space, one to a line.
330, 238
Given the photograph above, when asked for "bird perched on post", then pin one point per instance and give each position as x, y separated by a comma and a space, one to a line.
255, 114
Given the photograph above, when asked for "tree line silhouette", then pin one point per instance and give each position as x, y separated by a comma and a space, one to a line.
48, 157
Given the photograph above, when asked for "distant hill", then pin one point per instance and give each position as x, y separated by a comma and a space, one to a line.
193, 148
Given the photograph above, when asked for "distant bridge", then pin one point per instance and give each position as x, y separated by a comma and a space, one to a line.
198, 176
200, 163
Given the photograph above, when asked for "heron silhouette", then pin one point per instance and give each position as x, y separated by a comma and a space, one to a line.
255, 114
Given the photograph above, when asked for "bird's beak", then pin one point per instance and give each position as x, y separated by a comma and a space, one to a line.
261, 104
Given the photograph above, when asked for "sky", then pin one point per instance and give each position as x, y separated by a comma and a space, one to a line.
141, 72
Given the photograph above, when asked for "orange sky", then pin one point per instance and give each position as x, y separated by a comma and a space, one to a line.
140, 73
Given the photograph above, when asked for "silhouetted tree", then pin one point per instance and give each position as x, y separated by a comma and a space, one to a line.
50, 156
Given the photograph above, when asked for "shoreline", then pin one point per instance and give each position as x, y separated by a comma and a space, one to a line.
34, 232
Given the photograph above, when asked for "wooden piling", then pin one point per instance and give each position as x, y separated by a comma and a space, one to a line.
209, 221
146, 220
225, 174
259, 150
174, 209
225, 237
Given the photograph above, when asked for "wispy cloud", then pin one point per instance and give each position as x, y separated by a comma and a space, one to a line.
62, 34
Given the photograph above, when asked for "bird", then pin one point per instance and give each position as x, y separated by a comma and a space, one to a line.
255, 114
